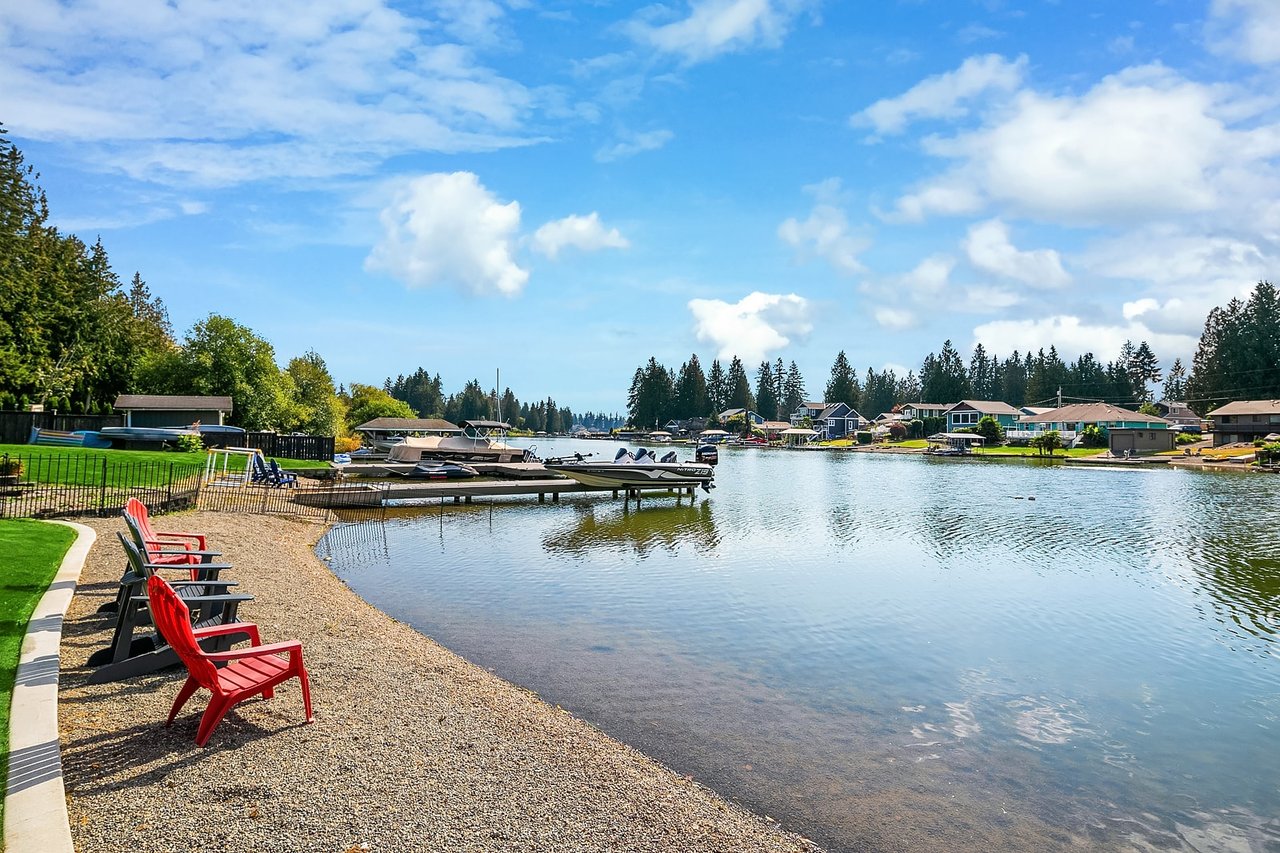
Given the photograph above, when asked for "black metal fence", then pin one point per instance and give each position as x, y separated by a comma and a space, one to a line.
60, 486
66, 486
314, 447
15, 427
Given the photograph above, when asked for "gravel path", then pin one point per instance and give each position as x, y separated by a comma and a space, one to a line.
413, 748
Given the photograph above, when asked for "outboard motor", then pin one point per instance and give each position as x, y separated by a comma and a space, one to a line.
624, 455
643, 455
670, 457
707, 453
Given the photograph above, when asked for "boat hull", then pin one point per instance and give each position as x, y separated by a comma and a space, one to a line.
658, 475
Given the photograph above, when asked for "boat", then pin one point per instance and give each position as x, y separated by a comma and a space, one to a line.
707, 453
430, 470
58, 438
145, 435
480, 441
637, 471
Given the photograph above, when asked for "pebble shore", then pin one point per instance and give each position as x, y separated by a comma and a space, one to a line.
412, 748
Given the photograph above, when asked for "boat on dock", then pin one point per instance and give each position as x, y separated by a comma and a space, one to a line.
436, 470
636, 471
480, 441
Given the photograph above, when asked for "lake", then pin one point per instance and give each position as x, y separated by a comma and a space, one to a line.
891, 652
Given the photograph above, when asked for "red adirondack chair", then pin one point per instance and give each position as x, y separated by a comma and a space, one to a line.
164, 547
257, 669
138, 510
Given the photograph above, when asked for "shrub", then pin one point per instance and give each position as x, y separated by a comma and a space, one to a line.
989, 428
897, 430
346, 443
1094, 436
863, 436
189, 444
915, 429
10, 467
77, 408
1186, 438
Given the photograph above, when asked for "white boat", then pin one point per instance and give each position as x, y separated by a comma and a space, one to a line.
638, 471
480, 441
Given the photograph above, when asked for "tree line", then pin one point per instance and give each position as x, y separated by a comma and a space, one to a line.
423, 397
1238, 358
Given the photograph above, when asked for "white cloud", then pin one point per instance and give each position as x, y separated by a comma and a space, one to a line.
633, 144
715, 27
895, 318
448, 229
1074, 337
942, 96
1140, 144
826, 233
990, 250
1247, 29
581, 232
215, 93
754, 326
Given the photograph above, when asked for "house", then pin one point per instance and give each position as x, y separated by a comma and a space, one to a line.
920, 411
1131, 441
967, 413
754, 417
807, 410
1244, 420
1071, 420
685, 427
164, 410
1179, 413
838, 420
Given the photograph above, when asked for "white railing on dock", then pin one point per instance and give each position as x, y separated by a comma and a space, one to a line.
229, 466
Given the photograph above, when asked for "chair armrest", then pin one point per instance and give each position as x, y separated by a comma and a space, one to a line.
230, 628
199, 538
185, 552
204, 567
186, 584
201, 599
289, 646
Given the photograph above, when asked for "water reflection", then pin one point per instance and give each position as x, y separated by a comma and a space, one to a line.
605, 527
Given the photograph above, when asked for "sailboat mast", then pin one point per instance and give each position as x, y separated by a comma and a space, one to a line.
497, 391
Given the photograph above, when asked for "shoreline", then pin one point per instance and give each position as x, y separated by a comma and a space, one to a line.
413, 748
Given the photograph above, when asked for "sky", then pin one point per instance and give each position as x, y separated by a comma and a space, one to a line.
561, 189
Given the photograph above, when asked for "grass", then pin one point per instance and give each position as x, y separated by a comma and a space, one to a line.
82, 466
1031, 451
30, 553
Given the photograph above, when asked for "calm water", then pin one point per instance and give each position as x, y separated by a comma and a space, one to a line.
892, 653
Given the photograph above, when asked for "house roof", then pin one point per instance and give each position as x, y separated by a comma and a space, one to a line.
1248, 407
172, 402
988, 407
832, 408
1091, 413
926, 405
408, 425
1037, 410
813, 405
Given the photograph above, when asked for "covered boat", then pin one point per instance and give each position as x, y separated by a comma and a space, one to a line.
429, 470
481, 441
637, 471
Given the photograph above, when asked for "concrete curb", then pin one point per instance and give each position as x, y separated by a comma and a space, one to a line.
35, 804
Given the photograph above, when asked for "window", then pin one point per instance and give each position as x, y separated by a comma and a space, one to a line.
965, 418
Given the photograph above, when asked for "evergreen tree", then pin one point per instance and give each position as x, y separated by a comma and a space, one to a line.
717, 388
739, 387
980, 374
943, 378
1175, 382
842, 387
793, 389
692, 400
1143, 370
766, 392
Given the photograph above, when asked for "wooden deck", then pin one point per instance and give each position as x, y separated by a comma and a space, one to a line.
354, 495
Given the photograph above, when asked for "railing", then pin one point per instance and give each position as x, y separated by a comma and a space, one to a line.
60, 486
1028, 434
15, 427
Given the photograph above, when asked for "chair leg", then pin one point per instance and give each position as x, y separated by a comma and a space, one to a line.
269, 693
218, 708
183, 695
306, 692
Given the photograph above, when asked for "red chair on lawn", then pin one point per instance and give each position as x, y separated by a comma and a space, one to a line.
257, 669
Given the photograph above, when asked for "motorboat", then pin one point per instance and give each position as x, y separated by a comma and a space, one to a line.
480, 441
707, 453
129, 435
640, 470
436, 470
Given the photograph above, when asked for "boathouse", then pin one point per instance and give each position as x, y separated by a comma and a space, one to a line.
170, 410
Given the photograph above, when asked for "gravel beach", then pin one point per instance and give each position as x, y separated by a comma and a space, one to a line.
412, 749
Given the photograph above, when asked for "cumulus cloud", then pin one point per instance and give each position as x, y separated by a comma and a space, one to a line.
895, 318
944, 95
826, 233
1074, 337
754, 326
584, 233
218, 93
715, 27
1246, 29
990, 250
447, 229
632, 144
1142, 143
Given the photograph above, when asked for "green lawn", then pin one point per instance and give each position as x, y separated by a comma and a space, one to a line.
30, 553
1031, 451
82, 466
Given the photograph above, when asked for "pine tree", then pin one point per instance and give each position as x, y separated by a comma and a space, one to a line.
691, 398
766, 399
1175, 382
739, 387
842, 387
794, 391
717, 388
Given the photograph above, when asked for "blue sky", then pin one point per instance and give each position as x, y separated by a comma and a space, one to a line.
562, 189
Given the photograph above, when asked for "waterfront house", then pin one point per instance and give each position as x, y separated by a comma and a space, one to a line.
166, 410
967, 413
1132, 441
808, 410
1244, 420
754, 418
837, 420
685, 427
920, 411
1071, 420
1179, 413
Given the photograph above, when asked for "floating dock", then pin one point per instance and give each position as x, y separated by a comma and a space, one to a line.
461, 491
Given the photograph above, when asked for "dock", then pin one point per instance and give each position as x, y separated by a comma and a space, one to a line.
509, 470
461, 491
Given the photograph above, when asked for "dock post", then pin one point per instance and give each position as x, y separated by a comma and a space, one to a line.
615, 494
542, 497
457, 499
468, 499
555, 497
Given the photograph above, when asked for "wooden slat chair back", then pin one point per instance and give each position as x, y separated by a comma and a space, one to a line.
166, 546
132, 651
248, 672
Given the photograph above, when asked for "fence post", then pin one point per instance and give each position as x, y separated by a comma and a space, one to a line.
102, 496
169, 499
